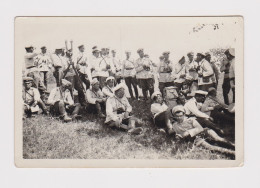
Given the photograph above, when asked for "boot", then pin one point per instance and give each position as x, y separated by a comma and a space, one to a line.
66, 118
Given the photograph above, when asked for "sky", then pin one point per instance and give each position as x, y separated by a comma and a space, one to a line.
155, 35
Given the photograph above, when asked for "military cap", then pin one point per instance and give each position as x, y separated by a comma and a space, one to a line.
94, 47
139, 50
207, 53
110, 78
155, 94
113, 50
28, 47
127, 52
27, 79
119, 86
146, 55
201, 54
166, 52
200, 92
178, 108
231, 51
94, 81
190, 54
43, 47
80, 46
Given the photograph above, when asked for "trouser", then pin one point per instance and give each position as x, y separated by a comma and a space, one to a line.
37, 82
80, 88
131, 81
126, 124
44, 78
160, 120
60, 109
146, 85
226, 89
209, 124
221, 117
163, 85
205, 87
98, 107
40, 103
58, 75
118, 80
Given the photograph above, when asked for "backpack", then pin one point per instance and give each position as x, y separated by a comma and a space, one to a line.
171, 96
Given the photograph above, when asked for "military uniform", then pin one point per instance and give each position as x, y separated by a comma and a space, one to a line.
206, 75
180, 71
144, 74
61, 102
31, 99
225, 65
129, 74
165, 74
44, 64
33, 72
58, 68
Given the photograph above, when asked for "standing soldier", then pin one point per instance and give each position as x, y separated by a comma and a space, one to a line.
230, 53
32, 70
44, 64
192, 67
215, 69
205, 73
225, 65
58, 65
82, 67
101, 68
129, 74
165, 72
118, 67
144, 74
179, 73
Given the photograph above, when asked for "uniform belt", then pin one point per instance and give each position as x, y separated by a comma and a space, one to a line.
129, 68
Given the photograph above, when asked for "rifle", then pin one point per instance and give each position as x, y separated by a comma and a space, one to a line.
69, 55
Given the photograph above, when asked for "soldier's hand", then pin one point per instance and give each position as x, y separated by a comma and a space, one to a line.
126, 115
185, 134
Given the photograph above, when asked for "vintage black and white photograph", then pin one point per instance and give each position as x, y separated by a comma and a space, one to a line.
153, 91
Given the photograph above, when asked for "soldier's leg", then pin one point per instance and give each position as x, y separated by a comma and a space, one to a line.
99, 109
203, 143
134, 83
226, 89
150, 83
161, 87
233, 90
213, 135
76, 109
129, 86
42, 106
207, 123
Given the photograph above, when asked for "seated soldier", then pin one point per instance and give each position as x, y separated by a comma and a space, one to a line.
96, 99
192, 109
31, 98
61, 102
159, 110
118, 112
188, 128
216, 109
108, 88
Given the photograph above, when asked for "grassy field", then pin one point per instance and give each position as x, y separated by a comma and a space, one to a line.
48, 138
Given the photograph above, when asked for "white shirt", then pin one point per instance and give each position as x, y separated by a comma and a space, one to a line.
192, 69
128, 68
56, 60
113, 104
157, 108
43, 62
141, 73
191, 108
92, 96
57, 95
81, 63
29, 60
100, 67
165, 76
108, 92
206, 70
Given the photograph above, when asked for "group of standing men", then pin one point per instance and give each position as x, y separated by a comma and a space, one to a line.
98, 81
